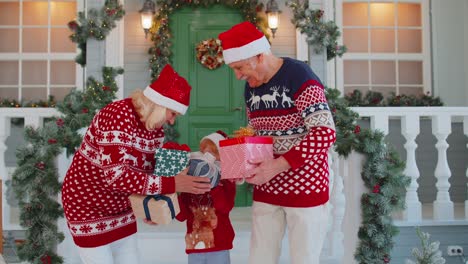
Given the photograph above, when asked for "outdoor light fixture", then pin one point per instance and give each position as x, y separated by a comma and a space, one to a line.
147, 13
272, 12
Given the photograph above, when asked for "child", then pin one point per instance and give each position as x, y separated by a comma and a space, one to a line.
209, 234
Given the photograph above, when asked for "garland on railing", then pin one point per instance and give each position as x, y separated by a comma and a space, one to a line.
16, 104
377, 99
94, 24
320, 35
35, 180
160, 33
382, 174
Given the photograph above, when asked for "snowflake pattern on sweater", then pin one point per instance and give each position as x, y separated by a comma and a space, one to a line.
292, 108
115, 159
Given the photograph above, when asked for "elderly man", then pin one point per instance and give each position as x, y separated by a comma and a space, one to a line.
285, 100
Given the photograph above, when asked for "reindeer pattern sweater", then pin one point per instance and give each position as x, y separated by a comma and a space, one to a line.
115, 159
207, 218
292, 108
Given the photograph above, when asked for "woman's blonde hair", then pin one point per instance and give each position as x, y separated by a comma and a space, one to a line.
150, 113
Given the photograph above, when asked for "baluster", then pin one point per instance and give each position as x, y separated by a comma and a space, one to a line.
410, 130
443, 206
33, 121
339, 201
465, 130
380, 122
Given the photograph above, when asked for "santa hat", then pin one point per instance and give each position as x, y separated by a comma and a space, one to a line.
216, 137
170, 90
242, 41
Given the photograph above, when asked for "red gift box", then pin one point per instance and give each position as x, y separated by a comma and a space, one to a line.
235, 153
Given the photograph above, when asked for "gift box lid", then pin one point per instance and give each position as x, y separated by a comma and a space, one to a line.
241, 140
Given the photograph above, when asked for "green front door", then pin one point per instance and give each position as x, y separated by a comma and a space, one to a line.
216, 100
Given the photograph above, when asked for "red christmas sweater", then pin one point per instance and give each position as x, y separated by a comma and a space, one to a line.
292, 108
208, 225
115, 159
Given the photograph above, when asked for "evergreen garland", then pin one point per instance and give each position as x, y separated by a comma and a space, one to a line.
35, 180
372, 98
382, 174
4, 102
94, 24
161, 52
320, 35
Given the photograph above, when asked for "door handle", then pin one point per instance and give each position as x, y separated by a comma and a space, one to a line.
237, 108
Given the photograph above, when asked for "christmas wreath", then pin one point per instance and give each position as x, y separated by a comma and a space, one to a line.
210, 53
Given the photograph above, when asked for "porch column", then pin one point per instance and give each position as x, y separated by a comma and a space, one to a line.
95, 50
443, 206
410, 130
338, 200
465, 130
318, 61
4, 133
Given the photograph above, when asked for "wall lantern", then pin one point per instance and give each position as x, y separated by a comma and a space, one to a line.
147, 12
272, 12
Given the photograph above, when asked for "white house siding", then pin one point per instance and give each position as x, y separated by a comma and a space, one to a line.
450, 51
446, 235
136, 57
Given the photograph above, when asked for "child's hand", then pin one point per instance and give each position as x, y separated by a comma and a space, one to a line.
149, 222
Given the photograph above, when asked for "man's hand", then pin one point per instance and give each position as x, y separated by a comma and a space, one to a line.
266, 170
191, 184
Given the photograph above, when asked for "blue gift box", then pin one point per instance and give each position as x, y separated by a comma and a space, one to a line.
204, 165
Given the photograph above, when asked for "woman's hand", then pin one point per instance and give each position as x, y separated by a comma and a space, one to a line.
191, 184
266, 170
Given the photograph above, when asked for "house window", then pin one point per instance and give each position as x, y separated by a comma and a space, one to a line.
36, 54
388, 47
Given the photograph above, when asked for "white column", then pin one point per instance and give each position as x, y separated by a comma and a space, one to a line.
318, 61
67, 248
410, 130
4, 133
115, 53
353, 188
443, 206
465, 130
339, 202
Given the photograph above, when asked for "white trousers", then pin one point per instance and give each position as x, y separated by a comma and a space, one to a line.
307, 228
122, 251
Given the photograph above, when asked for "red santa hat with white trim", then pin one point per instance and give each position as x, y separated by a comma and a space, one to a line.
216, 137
242, 41
170, 90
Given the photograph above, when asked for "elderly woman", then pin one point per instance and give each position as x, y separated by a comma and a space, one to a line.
116, 159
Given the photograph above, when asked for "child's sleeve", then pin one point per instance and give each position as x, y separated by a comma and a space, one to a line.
182, 215
224, 195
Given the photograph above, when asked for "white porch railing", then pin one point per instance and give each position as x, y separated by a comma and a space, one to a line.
345, 178
32, 117
442, 119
